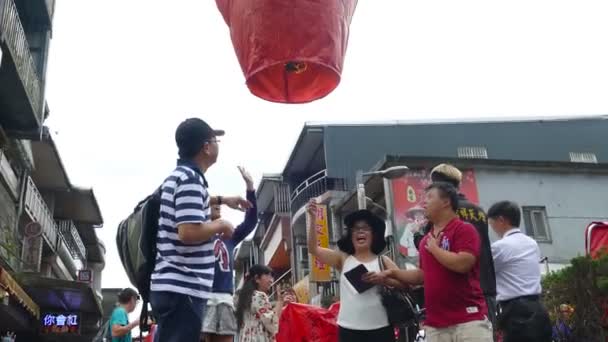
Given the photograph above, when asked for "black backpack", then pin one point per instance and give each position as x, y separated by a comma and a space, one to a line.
136, 242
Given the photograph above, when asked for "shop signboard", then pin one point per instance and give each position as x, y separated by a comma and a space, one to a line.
60, 323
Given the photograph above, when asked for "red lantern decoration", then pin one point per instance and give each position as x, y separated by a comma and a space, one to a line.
289, 51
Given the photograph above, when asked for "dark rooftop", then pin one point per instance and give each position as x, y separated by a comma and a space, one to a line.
344, 148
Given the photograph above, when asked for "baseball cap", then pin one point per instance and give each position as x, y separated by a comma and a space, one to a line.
192, 133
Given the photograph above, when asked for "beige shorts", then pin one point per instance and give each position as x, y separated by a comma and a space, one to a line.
476, 331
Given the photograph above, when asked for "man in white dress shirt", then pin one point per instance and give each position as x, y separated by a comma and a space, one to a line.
522, 317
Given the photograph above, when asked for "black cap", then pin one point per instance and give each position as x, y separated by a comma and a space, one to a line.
192, 134
126, 295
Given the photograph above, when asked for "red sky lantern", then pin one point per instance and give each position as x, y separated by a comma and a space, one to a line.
289, 51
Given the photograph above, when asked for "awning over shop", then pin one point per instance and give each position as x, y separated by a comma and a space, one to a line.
71, 202
280, 258
78, 204
11, 286
274, 244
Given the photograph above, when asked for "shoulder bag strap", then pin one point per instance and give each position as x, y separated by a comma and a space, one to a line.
381, 263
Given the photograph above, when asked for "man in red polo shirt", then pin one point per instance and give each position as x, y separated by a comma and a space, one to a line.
449, 269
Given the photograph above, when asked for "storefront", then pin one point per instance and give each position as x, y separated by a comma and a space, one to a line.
18, 312
69, 311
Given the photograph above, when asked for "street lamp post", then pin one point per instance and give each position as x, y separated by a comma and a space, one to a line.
362, 199
390, 173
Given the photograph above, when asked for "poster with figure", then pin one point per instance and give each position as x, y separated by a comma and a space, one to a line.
408, 210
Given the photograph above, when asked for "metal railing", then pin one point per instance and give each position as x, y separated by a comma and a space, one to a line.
72, 239
12, 35
37, 209
281, 198
314, 186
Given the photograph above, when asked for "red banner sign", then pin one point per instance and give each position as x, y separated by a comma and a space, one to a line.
300, 322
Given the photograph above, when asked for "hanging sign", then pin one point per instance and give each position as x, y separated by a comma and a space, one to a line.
60, 323
85, 276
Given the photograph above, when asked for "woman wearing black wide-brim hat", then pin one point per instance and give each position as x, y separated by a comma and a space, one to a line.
362, 316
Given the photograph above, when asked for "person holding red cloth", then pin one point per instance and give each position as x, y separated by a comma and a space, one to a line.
449, 269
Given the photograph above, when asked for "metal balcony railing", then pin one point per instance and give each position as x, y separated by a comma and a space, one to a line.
281, 199
37, 209
72, 239
315, 186
12, 35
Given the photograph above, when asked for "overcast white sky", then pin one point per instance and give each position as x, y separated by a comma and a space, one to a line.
123, 73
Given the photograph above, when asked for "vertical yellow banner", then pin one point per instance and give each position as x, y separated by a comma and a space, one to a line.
321, 272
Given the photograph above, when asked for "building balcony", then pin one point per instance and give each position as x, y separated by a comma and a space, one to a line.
21, 95
315, 186
38, 211
72, 239
8, 176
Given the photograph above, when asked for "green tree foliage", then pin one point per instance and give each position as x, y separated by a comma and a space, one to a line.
583, 285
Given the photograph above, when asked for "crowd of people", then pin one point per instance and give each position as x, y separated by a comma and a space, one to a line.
472, 288
192, 286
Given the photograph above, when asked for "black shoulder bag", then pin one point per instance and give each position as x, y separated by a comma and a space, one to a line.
399, 306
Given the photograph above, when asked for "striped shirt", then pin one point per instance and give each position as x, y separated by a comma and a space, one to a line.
183, 268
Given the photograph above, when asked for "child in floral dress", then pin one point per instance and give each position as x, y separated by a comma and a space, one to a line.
257, 319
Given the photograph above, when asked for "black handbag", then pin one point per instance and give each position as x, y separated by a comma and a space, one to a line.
400, 307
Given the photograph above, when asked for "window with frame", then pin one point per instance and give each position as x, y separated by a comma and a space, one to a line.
537, 223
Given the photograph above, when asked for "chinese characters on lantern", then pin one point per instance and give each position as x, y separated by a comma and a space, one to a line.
60, 323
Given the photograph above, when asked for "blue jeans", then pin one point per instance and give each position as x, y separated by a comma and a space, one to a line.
179, 317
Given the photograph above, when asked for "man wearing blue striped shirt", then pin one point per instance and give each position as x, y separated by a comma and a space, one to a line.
183, 276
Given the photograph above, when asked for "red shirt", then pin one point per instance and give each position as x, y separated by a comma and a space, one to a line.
452, 298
